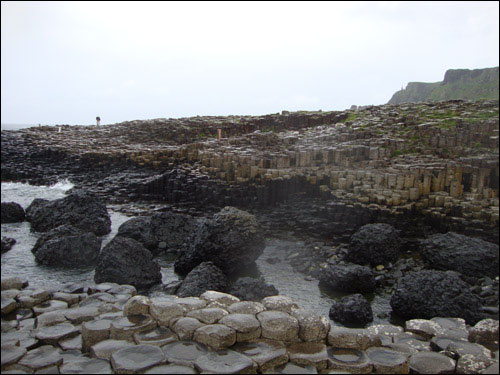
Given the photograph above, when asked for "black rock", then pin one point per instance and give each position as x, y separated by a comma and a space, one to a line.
374, 244
205, 276
231, 240
453, 251
12, 212
125, 261
7, 243
250, 289
68, 246
80, 209
353, 309
139, 229
348, 277
173, 229
427, 294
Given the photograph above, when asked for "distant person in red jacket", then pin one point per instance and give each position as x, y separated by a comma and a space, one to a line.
98, 120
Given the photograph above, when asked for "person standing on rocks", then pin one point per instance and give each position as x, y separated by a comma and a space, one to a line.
98, 120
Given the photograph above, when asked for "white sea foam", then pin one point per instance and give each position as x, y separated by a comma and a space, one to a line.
63, 185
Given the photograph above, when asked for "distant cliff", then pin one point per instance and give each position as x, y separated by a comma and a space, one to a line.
457, 84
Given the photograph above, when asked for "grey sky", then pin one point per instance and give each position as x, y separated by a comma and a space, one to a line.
66, 63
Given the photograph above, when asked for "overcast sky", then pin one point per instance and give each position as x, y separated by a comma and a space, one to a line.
66, 63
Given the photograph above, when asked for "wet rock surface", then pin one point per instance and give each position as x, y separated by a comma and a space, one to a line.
7, 243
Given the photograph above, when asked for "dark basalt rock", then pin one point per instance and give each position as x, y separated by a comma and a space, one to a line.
80, 209
205, 276
250, 289
427, 294
125, 261
139, 229
353, 309
12, 212
231, 240
348, 277
374, 244
453, 251
68, 246
7, 243
172, 228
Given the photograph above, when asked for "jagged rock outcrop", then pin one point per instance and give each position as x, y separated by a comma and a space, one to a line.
67, 246
352, 309
348, 277
80, 209
205, 276
251, 289
7, 243
231, 240
453, 251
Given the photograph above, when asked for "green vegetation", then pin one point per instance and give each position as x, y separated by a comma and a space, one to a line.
457, 84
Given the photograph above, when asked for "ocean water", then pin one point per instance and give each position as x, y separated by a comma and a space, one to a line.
19, 261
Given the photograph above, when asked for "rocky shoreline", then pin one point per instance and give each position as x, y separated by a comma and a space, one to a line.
108, 328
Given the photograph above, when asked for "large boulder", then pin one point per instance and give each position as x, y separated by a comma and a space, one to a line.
80, 209
374, 244
205, 276
348, 277
231, 240
429, 293
67, 245
250, 289
353, 309
453, 251
163, 231
139, 229
12, 212
125, 261
7, 243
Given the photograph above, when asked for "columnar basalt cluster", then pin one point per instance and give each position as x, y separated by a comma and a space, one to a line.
108, 328
439, 159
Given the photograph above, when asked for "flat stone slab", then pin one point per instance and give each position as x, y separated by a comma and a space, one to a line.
137, 305
268, 354
136, 358
94, 331
171, 369
163, 311
278, 325
224, 362
183, 352
74, 343
50, 318
431, 363
78, 315
424, 328
485, 332
387, 361
87, 366
292, 368
279, 303
53, 334
222, 298
104, 349
215, 336
208, 315
352, 338
11, 354
158, 336
472, 364
13, 282
50, 305
308, 354
69, 298
41, 357
349, 360
126, 327
246, 307
192, 303
8, 305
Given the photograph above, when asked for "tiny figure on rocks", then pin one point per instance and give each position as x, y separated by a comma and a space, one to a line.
98, 120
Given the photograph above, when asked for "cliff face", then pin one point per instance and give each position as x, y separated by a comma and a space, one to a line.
457, 84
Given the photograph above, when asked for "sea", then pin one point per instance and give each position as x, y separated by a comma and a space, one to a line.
19, 261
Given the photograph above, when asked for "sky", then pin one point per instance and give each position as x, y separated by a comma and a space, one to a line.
68, 62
